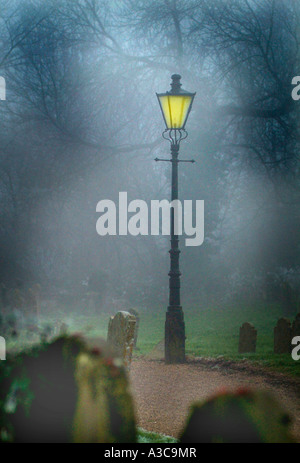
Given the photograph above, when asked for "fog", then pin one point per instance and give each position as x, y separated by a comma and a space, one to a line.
81, 123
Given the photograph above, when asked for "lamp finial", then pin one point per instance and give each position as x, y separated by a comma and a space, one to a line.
176, 84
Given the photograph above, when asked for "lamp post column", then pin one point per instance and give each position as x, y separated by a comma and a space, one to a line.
174, 326
175, 106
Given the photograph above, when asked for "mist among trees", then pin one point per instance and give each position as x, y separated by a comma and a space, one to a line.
81, 123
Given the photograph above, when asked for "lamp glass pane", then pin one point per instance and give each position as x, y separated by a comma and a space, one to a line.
175, 109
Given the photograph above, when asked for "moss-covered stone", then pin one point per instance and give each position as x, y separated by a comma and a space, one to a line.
242, 417
65, 392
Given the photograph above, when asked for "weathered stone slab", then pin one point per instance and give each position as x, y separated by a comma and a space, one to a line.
120, 338
248, 338
244, 417
105, 411
73, 394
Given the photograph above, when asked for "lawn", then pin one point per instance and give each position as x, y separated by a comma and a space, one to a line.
210, 332
214, 332
145, 437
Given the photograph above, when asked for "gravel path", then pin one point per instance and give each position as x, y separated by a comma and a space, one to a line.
163, 393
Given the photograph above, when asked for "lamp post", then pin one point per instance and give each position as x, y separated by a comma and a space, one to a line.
175, 106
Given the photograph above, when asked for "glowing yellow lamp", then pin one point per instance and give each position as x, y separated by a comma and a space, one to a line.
176, 105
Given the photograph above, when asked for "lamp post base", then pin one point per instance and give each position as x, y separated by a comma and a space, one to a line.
174, 336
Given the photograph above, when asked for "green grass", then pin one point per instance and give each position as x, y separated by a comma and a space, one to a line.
215, 332
145, 437
210, 333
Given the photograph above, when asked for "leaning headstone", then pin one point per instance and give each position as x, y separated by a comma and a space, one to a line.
296, 326
238, 417
120, 338
136, 314
248, 338
283, 336
71, 394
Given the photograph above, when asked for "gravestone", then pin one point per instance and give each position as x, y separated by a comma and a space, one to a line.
73, 394
105, 410
120, 338
248, 338
135, 313
283, 336
243, 416
296, 327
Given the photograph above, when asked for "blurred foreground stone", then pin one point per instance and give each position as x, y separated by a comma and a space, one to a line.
66, 392
241, 417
